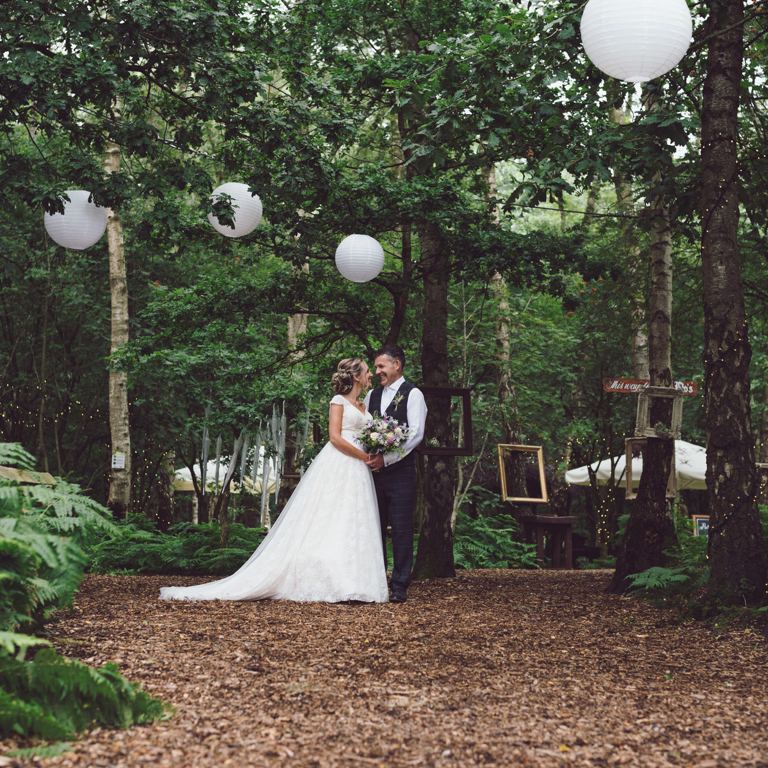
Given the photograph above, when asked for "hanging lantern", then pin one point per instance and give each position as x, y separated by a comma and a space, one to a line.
359, 258
636, 40
81, 225
247, 209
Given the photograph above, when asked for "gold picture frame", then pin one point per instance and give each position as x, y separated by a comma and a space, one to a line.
643, 426
536, 450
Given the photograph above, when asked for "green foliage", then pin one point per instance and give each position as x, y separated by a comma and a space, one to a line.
17, 644
55, 698
44, 750
41, 565
658, 578
687, 574
41, 561
489, 542
186, 548
14, 455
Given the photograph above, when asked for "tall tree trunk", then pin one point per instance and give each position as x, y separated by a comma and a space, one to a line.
737, 553
42, 450
297, 325
514, 463
120, 478
650, 531
635, 265
591, 204
435, 554
763, 450
165, 476
401, 292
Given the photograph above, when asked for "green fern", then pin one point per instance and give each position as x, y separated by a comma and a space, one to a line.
41, 565
186, 548
658, 578
490, 542
44, 750
14, 455
27, 718
55, 697
16, 644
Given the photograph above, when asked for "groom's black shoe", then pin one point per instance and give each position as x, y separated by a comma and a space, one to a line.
398, 596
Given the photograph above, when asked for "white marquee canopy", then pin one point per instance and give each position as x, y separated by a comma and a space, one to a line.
690, 464
182, 480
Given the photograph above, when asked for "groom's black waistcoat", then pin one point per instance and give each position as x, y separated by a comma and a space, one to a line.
398, 409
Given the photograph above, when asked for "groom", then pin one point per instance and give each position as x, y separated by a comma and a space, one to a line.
394, 474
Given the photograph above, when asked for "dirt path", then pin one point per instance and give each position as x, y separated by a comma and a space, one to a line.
512, 668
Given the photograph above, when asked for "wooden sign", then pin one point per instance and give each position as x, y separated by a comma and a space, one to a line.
636, 386
26, 476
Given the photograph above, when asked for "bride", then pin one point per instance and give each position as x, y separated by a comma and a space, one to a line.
326, 544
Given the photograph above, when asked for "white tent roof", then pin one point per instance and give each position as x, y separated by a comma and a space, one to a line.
182, 479
690, 464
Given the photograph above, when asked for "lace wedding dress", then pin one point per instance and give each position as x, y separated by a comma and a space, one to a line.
326, 544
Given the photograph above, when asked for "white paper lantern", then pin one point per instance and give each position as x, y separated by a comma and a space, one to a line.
359, 258
247, 209
81, 225
636, 40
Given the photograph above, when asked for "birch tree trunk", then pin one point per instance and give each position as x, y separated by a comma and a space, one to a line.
165, 490
297, 326
737, 553
635, 265
514, 462
649, 530
119, 500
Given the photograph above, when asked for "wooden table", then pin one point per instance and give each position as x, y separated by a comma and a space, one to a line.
560, 532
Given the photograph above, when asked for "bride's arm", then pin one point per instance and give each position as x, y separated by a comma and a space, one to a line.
334, 434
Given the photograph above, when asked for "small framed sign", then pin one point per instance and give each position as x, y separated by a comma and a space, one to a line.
118, 460
700, 525
762, 482
459, 405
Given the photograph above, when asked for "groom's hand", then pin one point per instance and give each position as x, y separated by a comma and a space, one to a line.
376, 461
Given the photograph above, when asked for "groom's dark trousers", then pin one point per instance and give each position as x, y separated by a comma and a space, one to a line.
396, 494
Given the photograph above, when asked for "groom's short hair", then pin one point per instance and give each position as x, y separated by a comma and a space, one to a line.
393, 351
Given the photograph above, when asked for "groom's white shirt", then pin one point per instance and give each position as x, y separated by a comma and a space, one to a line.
417, 417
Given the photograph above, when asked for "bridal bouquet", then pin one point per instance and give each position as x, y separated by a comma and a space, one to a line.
383, 434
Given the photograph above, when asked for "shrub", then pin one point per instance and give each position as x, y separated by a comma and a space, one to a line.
489, 542
41, 532
185, 548
688, 569
55, 698
42, 529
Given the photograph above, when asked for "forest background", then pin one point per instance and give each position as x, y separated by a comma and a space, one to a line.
510, 183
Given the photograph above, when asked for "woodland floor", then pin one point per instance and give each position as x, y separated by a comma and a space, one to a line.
508, 668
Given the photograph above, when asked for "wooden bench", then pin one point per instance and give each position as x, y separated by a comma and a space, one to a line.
559, 530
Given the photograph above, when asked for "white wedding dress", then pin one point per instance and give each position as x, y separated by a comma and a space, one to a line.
326, 544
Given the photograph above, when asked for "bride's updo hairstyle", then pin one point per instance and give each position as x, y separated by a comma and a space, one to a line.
347, 371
